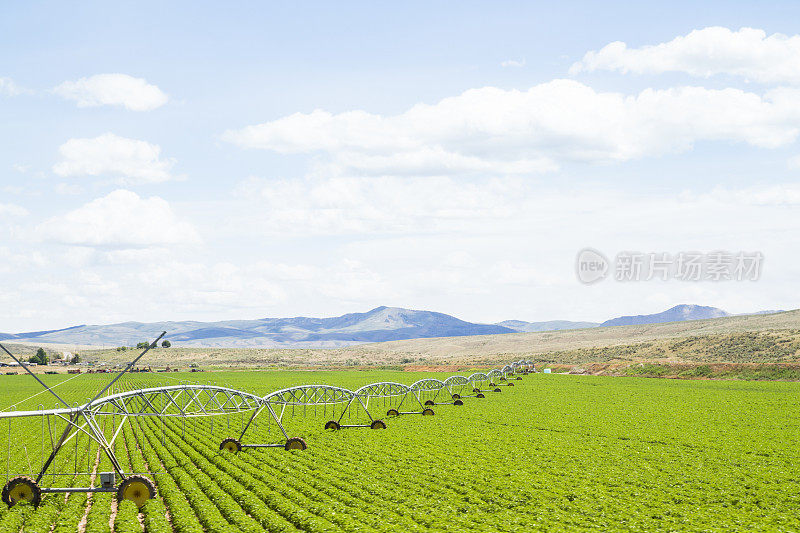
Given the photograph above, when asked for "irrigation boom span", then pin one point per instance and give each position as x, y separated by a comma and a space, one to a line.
198, 400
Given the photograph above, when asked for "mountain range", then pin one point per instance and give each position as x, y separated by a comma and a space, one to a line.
378, 325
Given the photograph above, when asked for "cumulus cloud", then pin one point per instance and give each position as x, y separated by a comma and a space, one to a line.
134, 94
9, 88
363, 205
748, 53
491, 130
132, 161
120, 219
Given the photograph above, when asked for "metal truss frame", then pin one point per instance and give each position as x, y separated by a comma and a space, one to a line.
298, 396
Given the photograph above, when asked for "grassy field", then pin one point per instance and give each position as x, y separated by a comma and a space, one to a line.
552, 453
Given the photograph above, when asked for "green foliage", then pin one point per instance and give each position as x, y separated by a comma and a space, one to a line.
40, 358
99, 513
648, 369
165, 343
700, 371
155, 519
554, 452
127, 519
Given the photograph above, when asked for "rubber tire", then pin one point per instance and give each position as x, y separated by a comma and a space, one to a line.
32, 489
476, 390
332, 424
392, 412
458, 402
428, 403
492, 384
456, 396
235, 446
480, 395
428, 412
510, 384
138, 498
295, 443
519, 378
377, 424
498, 389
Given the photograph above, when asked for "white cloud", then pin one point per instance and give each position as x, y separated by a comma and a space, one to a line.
487, 249
748, 53
513, 63
134, 94
128, 159
9, 88
495, 131
360, 205
120, 219
13, 210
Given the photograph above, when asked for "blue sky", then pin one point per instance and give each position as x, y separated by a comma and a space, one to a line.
445, 156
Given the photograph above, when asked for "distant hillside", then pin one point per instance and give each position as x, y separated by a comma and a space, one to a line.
378, 325
678, 313
550, 325
772, 337
381, 324
497, 347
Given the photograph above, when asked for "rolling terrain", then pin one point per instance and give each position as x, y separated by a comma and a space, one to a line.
378, 325
381, 324
735, 339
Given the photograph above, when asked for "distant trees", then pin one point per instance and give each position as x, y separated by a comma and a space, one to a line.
76, 359
165, 344
40, 358
142, 345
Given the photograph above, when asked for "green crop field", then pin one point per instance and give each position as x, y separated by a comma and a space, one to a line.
554, 452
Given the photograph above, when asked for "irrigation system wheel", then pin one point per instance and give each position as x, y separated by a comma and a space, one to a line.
480, 395
332, 424
458, 402
519, 378
21, 488
230, 445
510, 384
295, 443
476, 389
378, 424
492, 384
137, 489
428, 403
392, 412
498, 389
456, 396
427, 412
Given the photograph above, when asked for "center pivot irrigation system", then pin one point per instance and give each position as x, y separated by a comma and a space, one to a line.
103, 417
